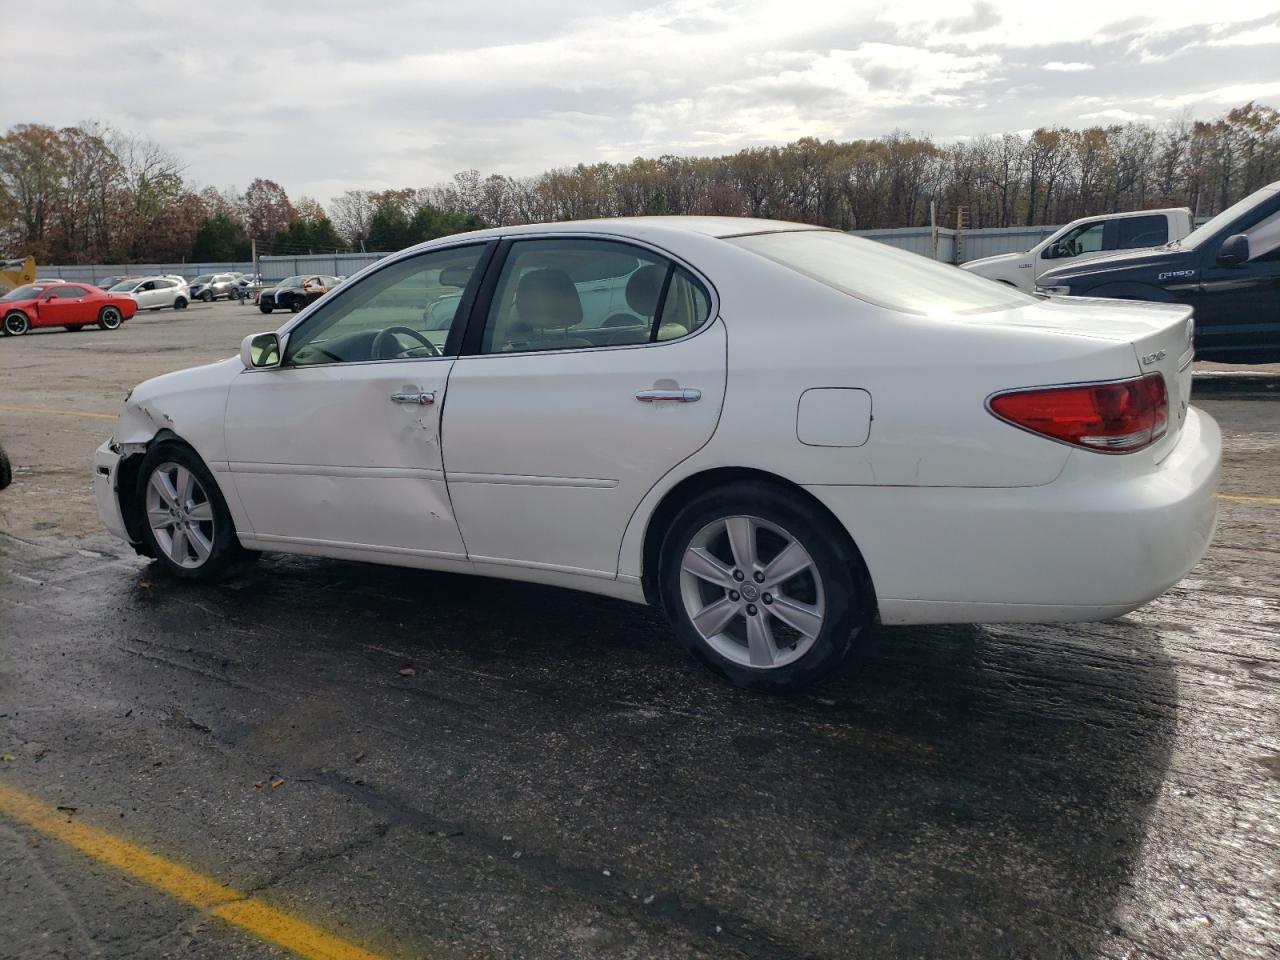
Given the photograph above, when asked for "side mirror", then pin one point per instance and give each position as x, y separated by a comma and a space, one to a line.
261, 351
1234, 250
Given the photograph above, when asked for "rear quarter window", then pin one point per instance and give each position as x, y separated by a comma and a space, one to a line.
883, 275
1134, 232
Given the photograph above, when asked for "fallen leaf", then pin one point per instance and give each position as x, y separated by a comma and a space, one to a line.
68, 809
277, 783
7, 756
408, 672
359, 756
258, 783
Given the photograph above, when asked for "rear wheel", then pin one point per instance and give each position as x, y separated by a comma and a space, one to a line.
296, 304
16, 323
264, 308
186, 521
6, 471
761, 588
109, 318
180, 303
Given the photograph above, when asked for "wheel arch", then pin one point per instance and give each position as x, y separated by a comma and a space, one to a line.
695, 484
127, 483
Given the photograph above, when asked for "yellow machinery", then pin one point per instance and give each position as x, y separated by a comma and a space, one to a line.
14, 273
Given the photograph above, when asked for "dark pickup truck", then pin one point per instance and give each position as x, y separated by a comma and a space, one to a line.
1228, 270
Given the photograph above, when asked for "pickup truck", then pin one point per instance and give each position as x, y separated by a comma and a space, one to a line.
1228, 270
1085, 239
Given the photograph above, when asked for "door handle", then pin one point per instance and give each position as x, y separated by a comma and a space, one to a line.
419, 398
681, 395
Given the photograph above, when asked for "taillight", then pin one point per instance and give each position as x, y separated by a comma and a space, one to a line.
1117, 417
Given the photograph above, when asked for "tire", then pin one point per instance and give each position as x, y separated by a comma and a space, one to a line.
296, 304
16, 323
198, 541
109, 318
6, 471
746, 638
180, 303
264, 308
207, 296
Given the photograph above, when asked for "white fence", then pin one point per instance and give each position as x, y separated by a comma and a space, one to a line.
953, 247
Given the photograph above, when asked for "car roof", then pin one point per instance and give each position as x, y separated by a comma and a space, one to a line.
707, 226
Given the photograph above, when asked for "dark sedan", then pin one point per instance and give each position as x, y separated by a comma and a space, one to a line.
294, 293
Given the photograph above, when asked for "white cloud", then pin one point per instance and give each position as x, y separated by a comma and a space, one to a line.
323, 96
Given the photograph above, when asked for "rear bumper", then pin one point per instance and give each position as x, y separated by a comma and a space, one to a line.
1107, 536
106, 467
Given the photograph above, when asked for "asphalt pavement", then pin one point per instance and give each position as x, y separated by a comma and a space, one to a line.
320, 758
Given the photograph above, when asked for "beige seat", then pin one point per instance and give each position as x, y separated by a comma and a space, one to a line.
547, 307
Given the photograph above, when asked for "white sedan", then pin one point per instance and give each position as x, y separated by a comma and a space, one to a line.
780, 433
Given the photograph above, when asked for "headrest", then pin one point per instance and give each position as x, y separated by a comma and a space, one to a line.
547, 300
643, 289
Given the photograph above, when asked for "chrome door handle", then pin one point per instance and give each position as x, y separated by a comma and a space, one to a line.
683, 395
419, 398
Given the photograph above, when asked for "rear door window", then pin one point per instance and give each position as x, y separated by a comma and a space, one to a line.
579, 293
1135, 232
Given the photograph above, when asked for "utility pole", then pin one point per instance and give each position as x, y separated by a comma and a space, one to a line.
253, 248
933, 227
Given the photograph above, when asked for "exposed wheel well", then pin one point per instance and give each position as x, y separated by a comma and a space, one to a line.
690, 487
127, 486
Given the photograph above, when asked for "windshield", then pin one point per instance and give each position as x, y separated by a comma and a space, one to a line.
203, 279
883, 275
1234, 212
124, 286
23, 293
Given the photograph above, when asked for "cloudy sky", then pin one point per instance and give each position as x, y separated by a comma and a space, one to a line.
324, 96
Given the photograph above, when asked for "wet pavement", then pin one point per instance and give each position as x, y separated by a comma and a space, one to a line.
552, 777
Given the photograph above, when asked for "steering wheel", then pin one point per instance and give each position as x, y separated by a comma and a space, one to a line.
387, 336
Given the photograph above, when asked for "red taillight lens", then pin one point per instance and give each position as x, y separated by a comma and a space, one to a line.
1117, 417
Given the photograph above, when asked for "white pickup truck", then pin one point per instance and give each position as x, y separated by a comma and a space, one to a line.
1085, 239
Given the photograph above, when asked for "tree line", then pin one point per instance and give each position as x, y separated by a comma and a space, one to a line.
91, 194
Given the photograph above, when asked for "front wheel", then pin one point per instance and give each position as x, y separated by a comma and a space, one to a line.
207, 296
16, 323
762, 587
109, 318
6, 471
187, 524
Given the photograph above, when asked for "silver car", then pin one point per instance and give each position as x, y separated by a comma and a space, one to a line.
213, 286
155, 293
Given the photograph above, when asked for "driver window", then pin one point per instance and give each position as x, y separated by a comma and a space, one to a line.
1086, 238
405, 311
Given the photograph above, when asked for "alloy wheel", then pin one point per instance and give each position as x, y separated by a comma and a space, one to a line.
16, 324
180, 515
752, 592
110, 318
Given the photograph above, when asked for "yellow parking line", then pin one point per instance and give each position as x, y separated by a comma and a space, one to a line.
59, 413
186, 885
1241, 499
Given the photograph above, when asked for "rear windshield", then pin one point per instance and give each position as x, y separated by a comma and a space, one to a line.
883, 275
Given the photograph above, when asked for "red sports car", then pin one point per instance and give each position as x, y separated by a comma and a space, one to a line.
70, 305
